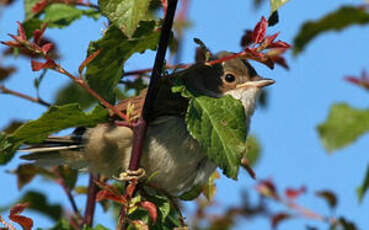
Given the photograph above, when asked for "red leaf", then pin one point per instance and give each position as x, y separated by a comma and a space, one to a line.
276, 220
329, 197
88, 60
37, 34
151, 208
25, 222
246, 39
269, 39
279, 44
108, 195
12, 43
259, 31
21, 32
280, 61
36, 66
47, 47
363, 81
267, 188
131, 188
294, 193
18, 208
39, 6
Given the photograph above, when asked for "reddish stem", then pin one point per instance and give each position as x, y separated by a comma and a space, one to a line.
84, 85
91, 200
24, 96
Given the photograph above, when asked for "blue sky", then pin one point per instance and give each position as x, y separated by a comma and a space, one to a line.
292, 153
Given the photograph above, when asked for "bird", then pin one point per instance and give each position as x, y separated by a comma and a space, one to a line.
171, 155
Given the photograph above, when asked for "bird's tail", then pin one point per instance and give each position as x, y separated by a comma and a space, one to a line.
57, 150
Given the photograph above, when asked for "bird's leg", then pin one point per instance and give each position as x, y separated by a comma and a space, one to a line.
129, 175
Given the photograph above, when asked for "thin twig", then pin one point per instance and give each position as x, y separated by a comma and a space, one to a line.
91, 200
67, 191
24, 96
84, 85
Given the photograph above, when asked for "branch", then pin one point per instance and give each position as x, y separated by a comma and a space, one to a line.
91, 200
84, 85
141, 126
37, 100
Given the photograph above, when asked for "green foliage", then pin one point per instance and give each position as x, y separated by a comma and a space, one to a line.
61, 15
55, 119
218, 124
364, 187
73, 93
343, 126
125, 14
55, 15
38, 202
336, 21
106, 70
167, 214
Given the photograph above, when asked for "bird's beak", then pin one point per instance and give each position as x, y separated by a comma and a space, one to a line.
257, 81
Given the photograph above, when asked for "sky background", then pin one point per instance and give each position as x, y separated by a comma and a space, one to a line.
301, 98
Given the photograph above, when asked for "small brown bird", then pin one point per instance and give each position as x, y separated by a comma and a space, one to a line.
170, 154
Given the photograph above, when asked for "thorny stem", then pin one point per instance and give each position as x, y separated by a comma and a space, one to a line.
84, 85
67, 191
91, 200
141, 127
37, 100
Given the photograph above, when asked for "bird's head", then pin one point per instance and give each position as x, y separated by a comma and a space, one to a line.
235, 77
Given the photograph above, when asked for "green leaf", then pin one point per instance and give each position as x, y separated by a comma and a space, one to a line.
336, 21
106, 70
55, 15
364, 187
38, 202
192, 194
125, 14
343, 126
276, 4
218, 124
62, 224
28, 4
73, 93
61, 15
55, 119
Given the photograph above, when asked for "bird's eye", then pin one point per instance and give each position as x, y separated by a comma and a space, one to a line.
229, 78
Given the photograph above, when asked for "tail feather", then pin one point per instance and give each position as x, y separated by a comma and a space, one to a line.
57, 151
